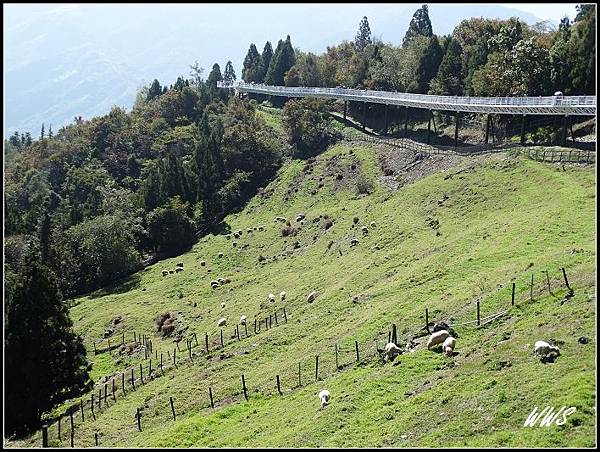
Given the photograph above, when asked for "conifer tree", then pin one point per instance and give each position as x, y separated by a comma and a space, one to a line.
251, 68
265, 61
420, 25
363, 37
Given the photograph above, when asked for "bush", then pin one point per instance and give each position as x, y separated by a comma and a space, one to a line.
364, 185
170, 229
307, 124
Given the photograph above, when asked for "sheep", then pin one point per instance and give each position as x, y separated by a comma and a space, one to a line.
271, 297
324, 396
223, 305
171, 271
311, 296
243, 320
202, 263
354, 241
220, 254
437, 338
365, 230
391, 351
260, 228
234, 244
300, 217
373, 224
249, 230
165, 272
222, 322
180, 264
178, 269
228, 236
546, 351
448, 346
282, 295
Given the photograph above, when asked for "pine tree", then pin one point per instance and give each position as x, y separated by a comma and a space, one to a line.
42, 132
265, 61
283, 59
229, 74
155, 90
448, 81
214, 76
420, 25
50, 131
251, 68
363, 37
45, 361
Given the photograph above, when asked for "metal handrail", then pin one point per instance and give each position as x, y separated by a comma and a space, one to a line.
570, 105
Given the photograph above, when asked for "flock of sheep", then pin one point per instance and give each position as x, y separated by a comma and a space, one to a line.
441, 332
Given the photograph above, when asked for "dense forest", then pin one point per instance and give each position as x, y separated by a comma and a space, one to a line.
92, 202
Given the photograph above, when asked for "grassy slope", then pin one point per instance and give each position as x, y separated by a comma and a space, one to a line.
500, 216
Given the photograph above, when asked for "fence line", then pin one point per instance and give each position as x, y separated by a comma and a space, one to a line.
325, 366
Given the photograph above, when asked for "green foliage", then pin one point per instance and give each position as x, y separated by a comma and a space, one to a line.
283, 59
308, 126
154, 90
251, 68
45, 361
419, 25
449, 78
363, 36
582, 50
170, 228
229, 74
265, 61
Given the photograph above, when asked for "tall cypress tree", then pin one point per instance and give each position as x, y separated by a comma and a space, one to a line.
45, 361
448, 81
265, 61
420, 25
214, 76
229, 74
154, 90
363, 37
283, 59
251, 68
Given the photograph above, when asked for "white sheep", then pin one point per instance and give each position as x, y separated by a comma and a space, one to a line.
448, 346
223, 305
324, 396
544, 349
282, 295
311, 296
222, 322
437, 338
391, 351
271, 297
165, 272
243, 320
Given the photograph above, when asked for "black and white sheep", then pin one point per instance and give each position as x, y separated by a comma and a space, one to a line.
390, 351
324, 396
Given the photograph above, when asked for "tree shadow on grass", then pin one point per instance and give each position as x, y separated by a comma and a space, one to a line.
122, 285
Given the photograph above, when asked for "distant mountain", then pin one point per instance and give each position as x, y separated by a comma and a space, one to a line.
66, 61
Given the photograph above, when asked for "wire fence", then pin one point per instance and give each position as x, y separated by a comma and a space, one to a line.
210, 393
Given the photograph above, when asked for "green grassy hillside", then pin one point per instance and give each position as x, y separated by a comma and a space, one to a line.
443, 242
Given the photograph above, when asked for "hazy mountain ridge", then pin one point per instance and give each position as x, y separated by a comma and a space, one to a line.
66, 61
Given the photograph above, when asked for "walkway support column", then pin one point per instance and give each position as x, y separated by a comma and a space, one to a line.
345, 108
364, 121
523, 129
385, 130
487, 129
456, 130
563, 139
429, 126
405, 122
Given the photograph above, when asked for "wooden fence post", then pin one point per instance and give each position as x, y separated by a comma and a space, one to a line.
427, 320
92, 406
141, 374
174, 357
356, 347
123, 338
134, 337
132, 379
212, 405
317, 368
206, 341
548, 281
196, 339
45, 435
96, 438
246, 329
73, 429
237, 332
531, 288
172, 407
566, 280
394, 335
81, 406
285, 315
222, 344
478, 319
244, 387
177, 344
270, 321
161, 364
113, 391
139, 423
276, 322
105, 392
255, 332
123, 382
95, 351
513, 295
279, 386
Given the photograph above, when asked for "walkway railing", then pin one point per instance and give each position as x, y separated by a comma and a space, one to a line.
549, 105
